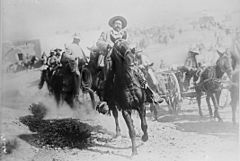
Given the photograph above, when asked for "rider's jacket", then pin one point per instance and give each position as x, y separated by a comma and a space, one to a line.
109, 38
74, 50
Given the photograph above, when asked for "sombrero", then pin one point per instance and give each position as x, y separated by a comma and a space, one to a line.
194, 51
120, 18
221, 49
76, 36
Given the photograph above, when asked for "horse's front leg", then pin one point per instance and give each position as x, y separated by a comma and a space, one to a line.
218, 94
93, 102
115, 115
142, 115
234, 94
215, 103
209, 104
42, 79
199, 102
132, 134
234, 107
153, 110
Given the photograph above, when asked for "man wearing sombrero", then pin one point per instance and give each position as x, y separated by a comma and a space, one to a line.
191, 61
107, 39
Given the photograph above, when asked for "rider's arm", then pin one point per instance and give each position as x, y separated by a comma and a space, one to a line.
102, 41
125, 35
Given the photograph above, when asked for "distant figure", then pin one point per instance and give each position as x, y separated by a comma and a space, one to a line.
162, 64
191, 61
44, 58
20, 56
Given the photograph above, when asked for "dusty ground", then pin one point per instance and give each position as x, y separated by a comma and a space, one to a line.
185, 137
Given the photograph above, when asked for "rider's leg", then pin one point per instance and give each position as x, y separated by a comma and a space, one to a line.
151, 95
73, 62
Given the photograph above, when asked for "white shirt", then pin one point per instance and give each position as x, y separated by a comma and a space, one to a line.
75, 50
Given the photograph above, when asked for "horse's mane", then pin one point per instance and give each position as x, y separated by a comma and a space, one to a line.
122, 46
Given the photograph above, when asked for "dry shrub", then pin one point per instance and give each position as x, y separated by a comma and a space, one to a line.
38, 110
59, 133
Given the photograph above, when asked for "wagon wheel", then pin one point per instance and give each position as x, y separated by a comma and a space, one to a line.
174, 93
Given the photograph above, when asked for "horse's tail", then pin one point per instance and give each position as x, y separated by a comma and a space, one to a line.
86, 80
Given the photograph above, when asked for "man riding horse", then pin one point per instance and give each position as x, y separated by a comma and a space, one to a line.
75, 55
106, 43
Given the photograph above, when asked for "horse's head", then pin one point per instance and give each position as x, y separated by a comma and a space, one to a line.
122, 46
224, 65
122, 50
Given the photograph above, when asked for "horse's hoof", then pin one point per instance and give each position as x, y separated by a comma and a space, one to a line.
117, 135
220, 120
144, 138
134, 153
234, 123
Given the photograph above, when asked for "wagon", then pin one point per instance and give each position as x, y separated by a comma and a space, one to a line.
170, 89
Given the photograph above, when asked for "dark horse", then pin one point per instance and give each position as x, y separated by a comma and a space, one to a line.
64, 84
94, 78
210, 83
123, 89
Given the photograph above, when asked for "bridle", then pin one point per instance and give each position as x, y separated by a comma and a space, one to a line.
117, 43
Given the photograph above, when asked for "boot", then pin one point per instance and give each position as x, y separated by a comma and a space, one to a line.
75, 69
152, 97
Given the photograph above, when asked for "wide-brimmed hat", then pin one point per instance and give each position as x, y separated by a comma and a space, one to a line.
194, 51
57, 50
77, 36
120, 18
221, 50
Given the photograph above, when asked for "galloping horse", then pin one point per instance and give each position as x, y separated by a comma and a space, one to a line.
123, 89
210, 84
65, 85
94, 75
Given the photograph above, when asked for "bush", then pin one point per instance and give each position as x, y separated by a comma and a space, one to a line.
38, 110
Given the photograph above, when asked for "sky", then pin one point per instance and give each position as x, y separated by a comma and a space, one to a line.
25, 19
